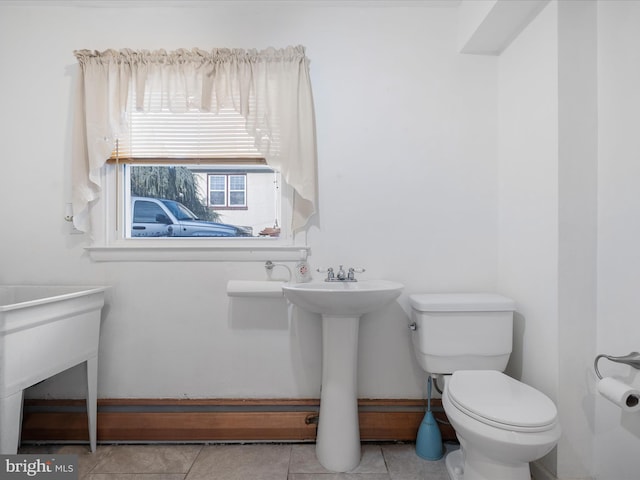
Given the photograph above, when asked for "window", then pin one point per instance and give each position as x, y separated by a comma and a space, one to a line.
194, 170
228, 191
237, 191
195, 113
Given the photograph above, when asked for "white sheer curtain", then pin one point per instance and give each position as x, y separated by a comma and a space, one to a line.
271, 89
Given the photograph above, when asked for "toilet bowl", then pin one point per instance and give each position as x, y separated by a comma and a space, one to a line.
501, 423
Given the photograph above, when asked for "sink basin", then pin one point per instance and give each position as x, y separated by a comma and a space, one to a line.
343, 298
341, 305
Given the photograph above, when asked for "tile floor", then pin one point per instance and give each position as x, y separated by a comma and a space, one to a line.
241, 462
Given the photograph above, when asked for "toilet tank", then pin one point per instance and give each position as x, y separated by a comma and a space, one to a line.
462, 331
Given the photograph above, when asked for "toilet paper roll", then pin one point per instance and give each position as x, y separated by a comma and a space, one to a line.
624, 396
253, 288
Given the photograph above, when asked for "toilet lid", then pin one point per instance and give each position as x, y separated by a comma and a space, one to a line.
501, 401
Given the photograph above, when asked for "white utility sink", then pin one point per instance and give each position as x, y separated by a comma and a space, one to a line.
341, 304
44, 330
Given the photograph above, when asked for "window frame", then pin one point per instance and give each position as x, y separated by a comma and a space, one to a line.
111, 221
111, 244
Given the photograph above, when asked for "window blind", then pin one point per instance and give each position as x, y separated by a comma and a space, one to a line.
159, 135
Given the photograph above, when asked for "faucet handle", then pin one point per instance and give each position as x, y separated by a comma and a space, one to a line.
352, 273
329, 272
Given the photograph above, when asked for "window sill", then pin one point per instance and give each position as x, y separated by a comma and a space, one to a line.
130, 252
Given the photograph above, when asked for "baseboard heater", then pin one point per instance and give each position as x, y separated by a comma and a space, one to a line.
216, 420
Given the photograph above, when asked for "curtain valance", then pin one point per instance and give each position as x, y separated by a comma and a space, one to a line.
271, 89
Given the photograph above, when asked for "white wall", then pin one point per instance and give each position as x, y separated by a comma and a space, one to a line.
471, 15
528, 174
569, 220
577, 240
618, 434
406, 139
548, 169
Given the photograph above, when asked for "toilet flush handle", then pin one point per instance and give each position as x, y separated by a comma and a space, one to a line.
413, 327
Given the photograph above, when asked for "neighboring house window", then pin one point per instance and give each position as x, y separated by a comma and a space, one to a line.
228, 191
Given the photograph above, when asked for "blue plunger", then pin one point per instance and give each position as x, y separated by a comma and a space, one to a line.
429, 440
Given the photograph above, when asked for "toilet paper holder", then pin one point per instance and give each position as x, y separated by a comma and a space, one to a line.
632, 359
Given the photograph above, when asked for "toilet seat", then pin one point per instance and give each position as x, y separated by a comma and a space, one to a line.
496, 399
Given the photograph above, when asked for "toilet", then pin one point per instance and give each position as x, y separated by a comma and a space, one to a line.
501, 423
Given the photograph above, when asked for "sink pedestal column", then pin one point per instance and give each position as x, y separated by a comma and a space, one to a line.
338, 438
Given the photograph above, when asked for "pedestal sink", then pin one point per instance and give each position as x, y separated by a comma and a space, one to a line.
341, 305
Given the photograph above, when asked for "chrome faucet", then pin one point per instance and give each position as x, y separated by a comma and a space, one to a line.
341, 276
